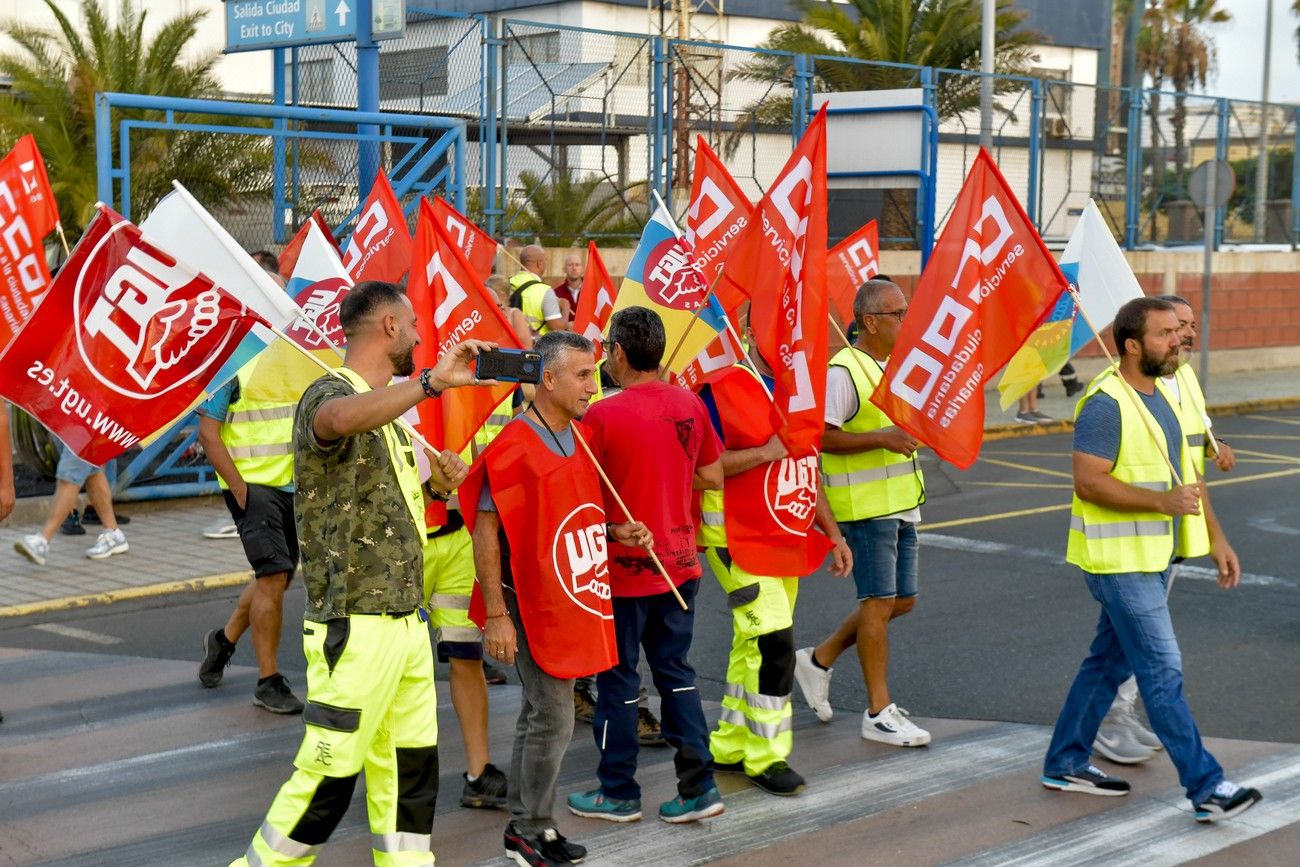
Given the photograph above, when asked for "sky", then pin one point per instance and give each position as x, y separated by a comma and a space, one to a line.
1240, 44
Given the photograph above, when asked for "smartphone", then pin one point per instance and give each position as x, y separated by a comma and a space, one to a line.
509, 365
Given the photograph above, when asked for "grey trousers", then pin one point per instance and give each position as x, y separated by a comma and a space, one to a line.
542, 734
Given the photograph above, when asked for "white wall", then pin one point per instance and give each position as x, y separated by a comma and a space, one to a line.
238, 73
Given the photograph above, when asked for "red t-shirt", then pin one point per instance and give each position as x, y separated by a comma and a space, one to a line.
650, 439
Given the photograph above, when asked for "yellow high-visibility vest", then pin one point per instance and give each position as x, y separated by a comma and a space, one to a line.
876, 482
259, 436
1105, 541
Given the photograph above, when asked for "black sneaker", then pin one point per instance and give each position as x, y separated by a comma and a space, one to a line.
71, 525
584, 703
274, 695
90, 516
488, 791
1090, 781
778, 779
494, 675
1072, 387
217, 651
647, 729
547, 848
1228, 800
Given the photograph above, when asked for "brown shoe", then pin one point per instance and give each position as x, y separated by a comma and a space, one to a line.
584, 703
647, 729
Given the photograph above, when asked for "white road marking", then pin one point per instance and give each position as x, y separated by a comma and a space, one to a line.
1185, 570
1163, 825
80, 634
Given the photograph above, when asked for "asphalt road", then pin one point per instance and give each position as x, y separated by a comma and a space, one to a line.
1002, 621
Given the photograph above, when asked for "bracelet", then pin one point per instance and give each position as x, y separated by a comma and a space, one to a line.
494, 616
426, 383
434, 493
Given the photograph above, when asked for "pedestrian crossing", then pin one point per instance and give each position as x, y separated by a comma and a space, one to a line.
121, 760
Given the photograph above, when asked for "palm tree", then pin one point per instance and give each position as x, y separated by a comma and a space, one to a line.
1175, 47
55, 74
944, 34
566, 210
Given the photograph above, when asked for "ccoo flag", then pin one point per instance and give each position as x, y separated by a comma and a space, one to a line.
665, 277
27, 214
989, 283
479, 247
595, 299
849, 264
380, 245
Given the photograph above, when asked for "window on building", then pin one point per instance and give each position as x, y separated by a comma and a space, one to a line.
533, 48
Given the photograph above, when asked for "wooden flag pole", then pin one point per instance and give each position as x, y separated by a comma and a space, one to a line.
58, 226
1128, 389
695, 315
622, 505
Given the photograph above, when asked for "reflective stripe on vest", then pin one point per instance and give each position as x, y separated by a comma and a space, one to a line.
258, 434
876, 482
1107, 541
1191, 412
712, 532
500, 417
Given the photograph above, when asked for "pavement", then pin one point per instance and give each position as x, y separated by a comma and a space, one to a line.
111, 754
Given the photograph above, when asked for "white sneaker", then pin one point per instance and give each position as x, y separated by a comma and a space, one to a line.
222, 529
1124, 714
814, 683
34, 547
891, 727
1116, 741
110, 542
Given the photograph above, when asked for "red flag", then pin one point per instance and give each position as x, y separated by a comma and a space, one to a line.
380, 246
27, 214
716, 359
292, 250
719, 211
595, 300
127, 338
452, 305
479, 248
852, 262
780, 258
989, 283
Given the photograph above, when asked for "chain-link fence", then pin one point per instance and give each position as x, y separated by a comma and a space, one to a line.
569, 129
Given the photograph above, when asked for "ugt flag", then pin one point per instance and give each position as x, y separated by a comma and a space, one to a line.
665, 277
595, 299
27, 214
380, 246
989, 283
452, 305
479, 248
849, 264
318, 285
780, 259
124, 341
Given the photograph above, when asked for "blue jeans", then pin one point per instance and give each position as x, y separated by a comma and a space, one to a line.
658, 624
1134, 637
884, 557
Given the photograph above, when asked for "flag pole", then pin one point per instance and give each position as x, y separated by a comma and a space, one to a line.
622, 505
830, 316
405, 425
695, 315
58, 226
1128, 389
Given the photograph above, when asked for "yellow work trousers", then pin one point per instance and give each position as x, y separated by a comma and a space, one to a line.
756, 723
372, 706
448, 583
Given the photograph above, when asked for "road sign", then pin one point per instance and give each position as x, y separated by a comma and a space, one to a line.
255, 25
1199, 187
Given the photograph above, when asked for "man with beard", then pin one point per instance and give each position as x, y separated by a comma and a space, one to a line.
1130, 517
359, 510
1122, 737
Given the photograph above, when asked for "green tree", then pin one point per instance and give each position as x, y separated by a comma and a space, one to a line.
564, 210
944, 34
54, 75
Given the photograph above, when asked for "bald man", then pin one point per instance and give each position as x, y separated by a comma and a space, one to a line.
533, 296
568, 289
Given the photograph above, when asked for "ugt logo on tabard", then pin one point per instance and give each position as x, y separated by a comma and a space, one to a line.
791, 488
581, 562
139, 314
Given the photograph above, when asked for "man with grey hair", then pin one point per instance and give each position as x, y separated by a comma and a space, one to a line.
546, 612
875, 489
533, 296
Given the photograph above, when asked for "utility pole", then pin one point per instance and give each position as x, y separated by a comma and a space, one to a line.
1261, 164
986, 80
